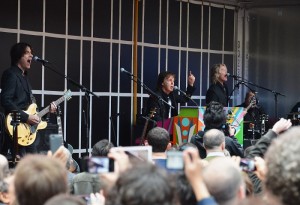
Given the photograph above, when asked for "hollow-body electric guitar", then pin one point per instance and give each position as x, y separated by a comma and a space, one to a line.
27, 132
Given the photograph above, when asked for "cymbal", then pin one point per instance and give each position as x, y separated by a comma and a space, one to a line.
294, 113
248, 122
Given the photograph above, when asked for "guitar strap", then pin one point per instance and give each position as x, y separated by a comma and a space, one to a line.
32, 98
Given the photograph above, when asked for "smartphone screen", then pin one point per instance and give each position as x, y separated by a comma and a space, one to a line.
55, 141
97, 165
174, 160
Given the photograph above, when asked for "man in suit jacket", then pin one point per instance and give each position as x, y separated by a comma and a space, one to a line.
16, 91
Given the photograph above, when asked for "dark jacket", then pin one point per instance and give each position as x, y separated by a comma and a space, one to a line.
259, 150
231, 144
218, 93
161, 108
16, 92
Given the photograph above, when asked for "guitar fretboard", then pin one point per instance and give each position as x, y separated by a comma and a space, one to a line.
47, 109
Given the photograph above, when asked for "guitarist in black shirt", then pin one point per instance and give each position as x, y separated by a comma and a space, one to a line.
16, 91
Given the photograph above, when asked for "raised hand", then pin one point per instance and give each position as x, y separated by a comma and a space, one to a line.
191, 78
281, 125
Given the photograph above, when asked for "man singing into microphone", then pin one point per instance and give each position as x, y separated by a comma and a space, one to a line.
218, 90
165, 91
16, 91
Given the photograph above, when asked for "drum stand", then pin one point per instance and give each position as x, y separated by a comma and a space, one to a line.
252, 129
15, 122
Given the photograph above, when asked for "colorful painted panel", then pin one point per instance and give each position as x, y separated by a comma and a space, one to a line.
190, 121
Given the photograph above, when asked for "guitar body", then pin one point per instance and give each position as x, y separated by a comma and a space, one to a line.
26, 132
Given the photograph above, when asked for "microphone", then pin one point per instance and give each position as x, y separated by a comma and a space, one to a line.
233, 76
37, 59
125, 71
176, 88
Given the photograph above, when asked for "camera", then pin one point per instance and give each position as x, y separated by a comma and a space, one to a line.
247, 165
95, 165
175, 160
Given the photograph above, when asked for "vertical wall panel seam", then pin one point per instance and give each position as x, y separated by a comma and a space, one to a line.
208, 48
19, 20
201, 53
167, 35
179, 52
80, 74
119, 60
223, 34
43, 49
159, 36
110, 70
66, 59
91, 75
142, 50
187, 43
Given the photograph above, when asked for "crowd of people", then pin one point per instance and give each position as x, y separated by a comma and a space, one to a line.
217, 178
213, 168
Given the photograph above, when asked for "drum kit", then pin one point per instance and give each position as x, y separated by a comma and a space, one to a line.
295, 118
254, 130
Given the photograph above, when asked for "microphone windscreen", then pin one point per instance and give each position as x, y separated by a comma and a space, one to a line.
35, 58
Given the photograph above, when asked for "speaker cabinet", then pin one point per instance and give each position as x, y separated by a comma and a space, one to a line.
43, 137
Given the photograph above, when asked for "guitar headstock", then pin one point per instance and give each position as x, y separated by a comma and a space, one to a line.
152, 112
68, 95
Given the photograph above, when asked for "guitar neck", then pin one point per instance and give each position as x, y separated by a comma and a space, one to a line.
248, 107
47, 109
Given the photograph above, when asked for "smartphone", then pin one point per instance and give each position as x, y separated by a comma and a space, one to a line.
247, 165
143, 153
55, 141
175, 160
97, 165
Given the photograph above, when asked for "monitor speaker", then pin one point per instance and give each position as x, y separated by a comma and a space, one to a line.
43, 135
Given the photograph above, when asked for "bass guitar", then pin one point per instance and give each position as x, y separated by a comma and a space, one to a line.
27, 132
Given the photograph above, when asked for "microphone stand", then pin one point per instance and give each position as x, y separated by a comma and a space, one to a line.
113, 127
87, 92
237, 86
186, 96
247, 83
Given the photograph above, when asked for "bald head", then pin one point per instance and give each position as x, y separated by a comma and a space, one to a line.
224, 180
213, 139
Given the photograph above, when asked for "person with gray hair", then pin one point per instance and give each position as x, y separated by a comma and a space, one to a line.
86, 183
4, 167
69, 161
261, 147
214, 143
144, 184
38, 178
282, 179
102, 148
224, 181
